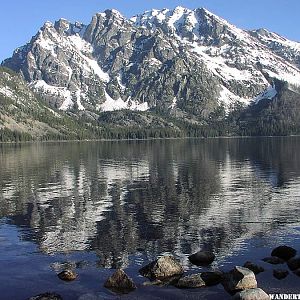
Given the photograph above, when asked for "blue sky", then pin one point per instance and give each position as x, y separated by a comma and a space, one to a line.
21, 19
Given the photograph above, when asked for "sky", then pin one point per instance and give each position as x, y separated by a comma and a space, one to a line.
21, 19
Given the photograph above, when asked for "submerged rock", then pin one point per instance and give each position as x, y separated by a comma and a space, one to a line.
67, 275
274, 260
239, 278
202, 258
252, 294
200, 280
284, 252
120, 282
47, 296
294, 263
280, 274
164, 267
297, 272
256, 269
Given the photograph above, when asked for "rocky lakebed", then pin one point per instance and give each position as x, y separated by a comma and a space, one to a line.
240, 282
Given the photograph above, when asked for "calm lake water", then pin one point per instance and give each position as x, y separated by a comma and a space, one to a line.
98, 206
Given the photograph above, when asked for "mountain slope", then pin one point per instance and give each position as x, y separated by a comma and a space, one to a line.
276, 112
24, 116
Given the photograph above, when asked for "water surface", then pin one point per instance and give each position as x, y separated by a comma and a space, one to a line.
98, 206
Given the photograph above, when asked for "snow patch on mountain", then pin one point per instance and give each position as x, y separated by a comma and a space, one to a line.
78, 97
174, 103
97, 70
6, 91
228, 98
111, 105
269, 93
42, 87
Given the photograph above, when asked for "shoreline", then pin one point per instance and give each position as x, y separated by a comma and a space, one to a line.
146, 139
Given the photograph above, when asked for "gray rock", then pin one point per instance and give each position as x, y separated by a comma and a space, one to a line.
294, 263
284, 252
256, 269
200, 280
191, 281
120, 282
47, 296
202, 258
239, 278
274, 260
251, 294
280, 274
163, 267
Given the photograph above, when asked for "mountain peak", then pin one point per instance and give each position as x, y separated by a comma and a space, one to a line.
47, 25
114, 13
62, 25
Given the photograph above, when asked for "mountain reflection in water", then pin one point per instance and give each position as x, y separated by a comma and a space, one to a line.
174, 196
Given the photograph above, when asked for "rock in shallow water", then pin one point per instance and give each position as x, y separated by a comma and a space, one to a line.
256, 269
239, 278
164, 267
120, 282
297, 272
294, 263
251, 294
202, 258
274, 260
47, 296
200, 280
280, 274
67, 275
163, 282
284, 252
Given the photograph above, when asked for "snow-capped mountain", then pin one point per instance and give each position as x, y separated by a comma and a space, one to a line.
182, 61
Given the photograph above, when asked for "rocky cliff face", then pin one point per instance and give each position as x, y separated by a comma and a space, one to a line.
184, 62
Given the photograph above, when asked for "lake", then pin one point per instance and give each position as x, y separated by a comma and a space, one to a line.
98, 206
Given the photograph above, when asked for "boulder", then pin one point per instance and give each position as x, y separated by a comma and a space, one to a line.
163, 267
67, 275
274, 260
280, 274
251, 294
200, 280
202, 258
47, 296
238, 279
120, 282
191, 281
294, 263
284, 252
256, 269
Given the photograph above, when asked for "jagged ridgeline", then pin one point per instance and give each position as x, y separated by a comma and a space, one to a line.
164, 73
